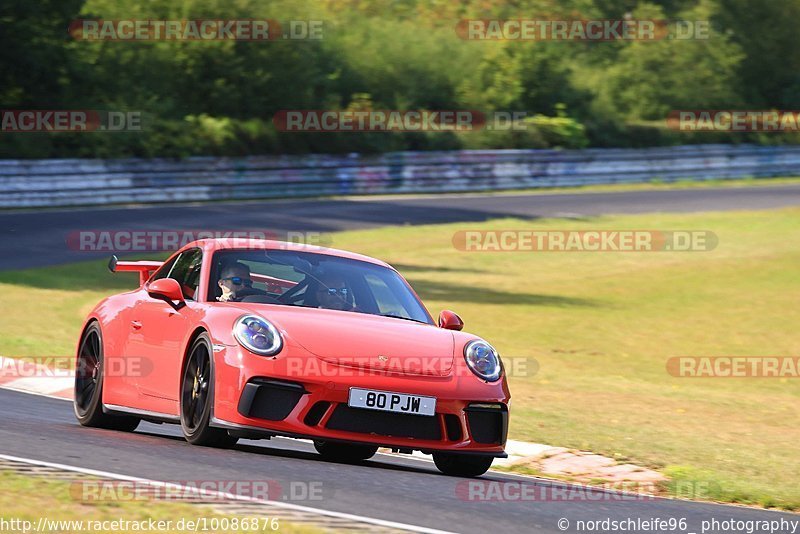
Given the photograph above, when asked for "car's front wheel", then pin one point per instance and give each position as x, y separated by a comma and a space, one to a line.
88, 395
462, 465
197, 398
344, 452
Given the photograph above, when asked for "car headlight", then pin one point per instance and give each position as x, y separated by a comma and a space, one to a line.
483, 360
257, 335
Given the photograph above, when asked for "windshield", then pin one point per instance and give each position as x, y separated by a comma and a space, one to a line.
308, 279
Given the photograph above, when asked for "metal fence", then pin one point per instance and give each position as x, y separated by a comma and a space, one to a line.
71, 182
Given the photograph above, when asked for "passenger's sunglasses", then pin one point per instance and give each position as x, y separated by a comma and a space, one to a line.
239, 281
333, 291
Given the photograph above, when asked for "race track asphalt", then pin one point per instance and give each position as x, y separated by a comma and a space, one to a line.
388, 487
39, 237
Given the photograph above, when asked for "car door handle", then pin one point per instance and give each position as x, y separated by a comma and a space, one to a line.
136, 325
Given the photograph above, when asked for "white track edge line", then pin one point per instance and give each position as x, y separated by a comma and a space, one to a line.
38, 394
226, 495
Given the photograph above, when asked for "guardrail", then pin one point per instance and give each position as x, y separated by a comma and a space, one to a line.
71, 182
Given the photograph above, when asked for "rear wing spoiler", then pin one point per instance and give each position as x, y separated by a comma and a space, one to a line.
144, 268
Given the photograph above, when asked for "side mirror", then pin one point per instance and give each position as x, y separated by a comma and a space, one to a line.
166, 289
450, 321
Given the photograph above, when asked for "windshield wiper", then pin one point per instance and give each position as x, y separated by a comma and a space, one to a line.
401, 317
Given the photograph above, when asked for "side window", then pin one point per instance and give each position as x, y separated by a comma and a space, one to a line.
187, 272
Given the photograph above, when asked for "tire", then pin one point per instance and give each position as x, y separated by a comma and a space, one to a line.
344, 452
197, 398
88, 393
462, 465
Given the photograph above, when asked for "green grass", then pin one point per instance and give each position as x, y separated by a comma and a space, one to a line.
50, 303
27, 498
599, 327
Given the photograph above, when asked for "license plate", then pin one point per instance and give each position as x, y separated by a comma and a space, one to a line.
387, 401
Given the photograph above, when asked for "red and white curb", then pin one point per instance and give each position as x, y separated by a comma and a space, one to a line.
29, 377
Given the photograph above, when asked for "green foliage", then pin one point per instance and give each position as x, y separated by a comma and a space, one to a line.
650, 79
220, 97
560, 131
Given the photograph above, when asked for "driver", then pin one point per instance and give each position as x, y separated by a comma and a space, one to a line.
234, 277
333, 293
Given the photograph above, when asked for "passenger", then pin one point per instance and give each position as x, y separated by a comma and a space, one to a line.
333, 294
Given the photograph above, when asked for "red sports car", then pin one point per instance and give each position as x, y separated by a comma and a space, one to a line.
252, 338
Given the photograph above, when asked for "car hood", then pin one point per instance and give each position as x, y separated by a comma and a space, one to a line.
365, 341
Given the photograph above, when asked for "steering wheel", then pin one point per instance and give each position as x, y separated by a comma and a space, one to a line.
290, 297
247, 292
260, 299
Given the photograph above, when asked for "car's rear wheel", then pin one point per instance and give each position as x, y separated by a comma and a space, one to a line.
462, 465
344, 452
88, 394
197, 398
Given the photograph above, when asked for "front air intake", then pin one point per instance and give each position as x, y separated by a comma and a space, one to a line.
488, 423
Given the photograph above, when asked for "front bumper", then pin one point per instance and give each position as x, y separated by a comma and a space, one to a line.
296, 394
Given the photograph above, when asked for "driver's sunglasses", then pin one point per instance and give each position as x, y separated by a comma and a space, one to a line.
239, 281
332, 291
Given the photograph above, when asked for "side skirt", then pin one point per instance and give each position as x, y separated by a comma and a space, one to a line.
150, 417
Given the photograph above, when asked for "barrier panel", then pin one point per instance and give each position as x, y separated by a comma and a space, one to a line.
71, 182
